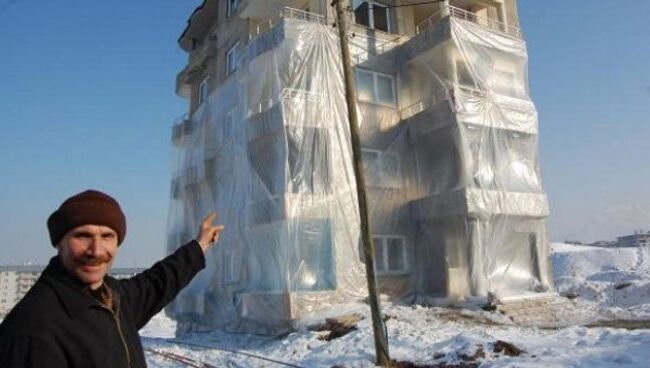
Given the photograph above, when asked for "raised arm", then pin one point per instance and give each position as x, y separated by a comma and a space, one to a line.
150, 291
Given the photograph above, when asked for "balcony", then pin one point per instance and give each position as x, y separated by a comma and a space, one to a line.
465, 15
468, 105
292, 107
478, 203
198, 60
263, 9
203, 54
270, 32
183, 87
183, 126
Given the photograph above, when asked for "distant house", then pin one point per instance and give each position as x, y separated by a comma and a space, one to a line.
15, 282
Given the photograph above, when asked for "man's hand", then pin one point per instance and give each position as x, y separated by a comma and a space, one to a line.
209, 234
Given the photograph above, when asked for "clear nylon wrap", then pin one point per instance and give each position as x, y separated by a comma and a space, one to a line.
449, 138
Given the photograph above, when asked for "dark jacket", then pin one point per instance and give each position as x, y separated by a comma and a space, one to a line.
58, 324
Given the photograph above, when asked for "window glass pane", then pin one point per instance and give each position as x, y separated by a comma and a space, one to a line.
308, 160
371, 167
390, 169
232, 6
231, 60
385, 90
267, 156
380, 18
228, 124
361, 14
203, 91
396, 261
380, 262
313, 264
365, 85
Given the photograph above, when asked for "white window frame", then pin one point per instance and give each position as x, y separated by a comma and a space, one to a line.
231, 7
371, 18
375, 88
231, 267
228, 123
231, 59
384, 181
381, 245
203, 90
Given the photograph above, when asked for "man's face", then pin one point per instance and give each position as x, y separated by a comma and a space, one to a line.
87, 252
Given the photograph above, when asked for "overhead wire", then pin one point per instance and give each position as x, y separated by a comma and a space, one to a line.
190, 362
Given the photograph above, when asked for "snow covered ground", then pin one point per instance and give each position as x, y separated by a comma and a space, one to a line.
608, 284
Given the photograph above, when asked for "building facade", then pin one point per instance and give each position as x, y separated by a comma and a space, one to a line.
449, 137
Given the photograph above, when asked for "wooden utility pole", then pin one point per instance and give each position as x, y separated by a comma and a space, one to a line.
378, 327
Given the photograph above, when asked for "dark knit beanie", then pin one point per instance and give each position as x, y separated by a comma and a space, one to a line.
87, 208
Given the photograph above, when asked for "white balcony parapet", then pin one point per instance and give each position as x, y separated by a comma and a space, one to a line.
491, 24
286, 13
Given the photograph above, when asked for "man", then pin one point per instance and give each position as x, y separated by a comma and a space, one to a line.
77, 316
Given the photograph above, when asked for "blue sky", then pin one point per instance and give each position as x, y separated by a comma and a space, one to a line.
87, 101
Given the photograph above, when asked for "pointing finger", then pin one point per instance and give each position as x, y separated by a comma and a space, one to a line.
210, 219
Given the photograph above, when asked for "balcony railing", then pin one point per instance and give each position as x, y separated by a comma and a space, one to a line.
492, 24
287, 94
435, 99
286, 13
206, 51
387, 45
182, 126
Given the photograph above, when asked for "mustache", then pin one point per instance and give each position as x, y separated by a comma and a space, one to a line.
86, 260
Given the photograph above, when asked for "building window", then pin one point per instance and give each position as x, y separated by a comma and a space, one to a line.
203, 91
390, 254
382, 168
231, 59
231, 267
313, 261
375, 87
372, 15
232, 6
464, 75
228, 124
309, 160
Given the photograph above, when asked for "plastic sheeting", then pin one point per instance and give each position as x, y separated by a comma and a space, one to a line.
449, 138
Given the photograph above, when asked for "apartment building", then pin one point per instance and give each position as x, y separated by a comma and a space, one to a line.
449, 137
15, 282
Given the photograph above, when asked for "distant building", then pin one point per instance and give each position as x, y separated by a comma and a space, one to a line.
638, 239
603, 243
15, 282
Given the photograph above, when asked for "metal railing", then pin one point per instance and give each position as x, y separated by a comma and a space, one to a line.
456, 97
286, 13
286, 94
492, 24
182, 126
422, 105
385, 46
